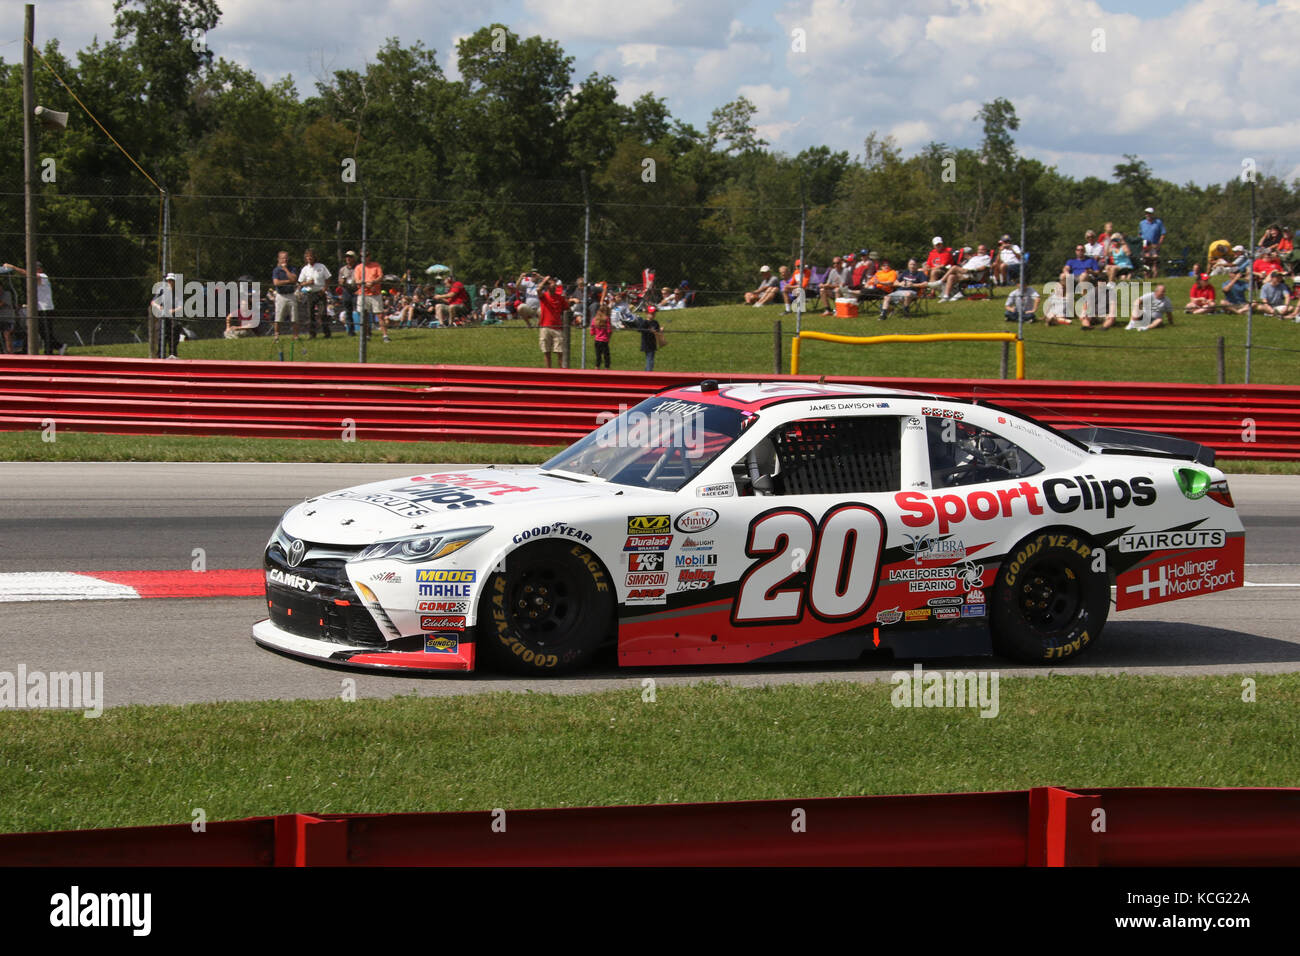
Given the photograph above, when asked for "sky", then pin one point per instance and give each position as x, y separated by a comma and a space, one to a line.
1193, 87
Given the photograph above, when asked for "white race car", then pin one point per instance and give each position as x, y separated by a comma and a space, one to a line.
720, 524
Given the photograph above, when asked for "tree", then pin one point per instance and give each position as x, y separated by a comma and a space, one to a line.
733, 124
999, 119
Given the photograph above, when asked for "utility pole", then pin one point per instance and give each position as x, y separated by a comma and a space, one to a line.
29, 168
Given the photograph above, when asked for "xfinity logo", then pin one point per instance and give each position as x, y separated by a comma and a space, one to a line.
276, 576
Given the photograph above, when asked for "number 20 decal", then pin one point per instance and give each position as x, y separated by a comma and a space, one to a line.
839, 561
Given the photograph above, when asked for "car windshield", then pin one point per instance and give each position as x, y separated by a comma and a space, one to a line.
661, 443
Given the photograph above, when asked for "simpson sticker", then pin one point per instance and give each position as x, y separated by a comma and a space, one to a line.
639, 579
696, 520
1171, 540
648, 524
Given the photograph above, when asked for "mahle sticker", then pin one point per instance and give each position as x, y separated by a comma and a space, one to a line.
1192, 482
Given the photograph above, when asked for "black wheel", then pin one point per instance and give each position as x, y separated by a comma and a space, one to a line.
548, 611
1049, 603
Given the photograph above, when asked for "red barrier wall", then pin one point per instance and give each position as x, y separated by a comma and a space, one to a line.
1045, 826
537, 406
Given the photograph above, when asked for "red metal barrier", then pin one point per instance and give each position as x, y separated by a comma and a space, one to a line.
1045, 826
539, 406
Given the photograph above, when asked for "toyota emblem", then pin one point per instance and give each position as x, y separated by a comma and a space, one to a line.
296, 552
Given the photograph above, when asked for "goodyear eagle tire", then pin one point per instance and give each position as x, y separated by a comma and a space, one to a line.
548, 612
1049, 604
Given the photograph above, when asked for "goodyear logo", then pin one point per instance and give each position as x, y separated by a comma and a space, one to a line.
444, 574
648, 524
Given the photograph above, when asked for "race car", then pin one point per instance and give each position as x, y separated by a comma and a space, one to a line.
719, 524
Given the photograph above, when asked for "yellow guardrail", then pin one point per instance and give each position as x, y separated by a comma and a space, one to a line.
928, 337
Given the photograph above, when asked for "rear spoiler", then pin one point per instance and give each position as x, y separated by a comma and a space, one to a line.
1121, 441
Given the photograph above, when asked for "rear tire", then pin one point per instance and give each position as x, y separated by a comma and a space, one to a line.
548, 612
1049, 604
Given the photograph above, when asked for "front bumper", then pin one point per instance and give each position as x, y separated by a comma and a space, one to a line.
444, 652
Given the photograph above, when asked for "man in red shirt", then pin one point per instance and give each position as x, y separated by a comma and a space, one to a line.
453, 303
551, 305
1200, 300
939, 259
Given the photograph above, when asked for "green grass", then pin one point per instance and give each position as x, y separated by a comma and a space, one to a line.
737, 339
150, 765
90, 446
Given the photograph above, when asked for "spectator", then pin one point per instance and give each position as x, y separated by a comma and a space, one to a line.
284, 281
1266, 262
1083, 267
766, 284
650, 331
600, 332
243, 320
312, 278
908, 288
1091, 247
453, 304
864, 267
1119, 262
1151, 311
837, 278
1006, 269
1286, 249
881, 286
8, 318
1020, 307
552, 302
1101, 303
938, 262
1200, 299
1272, 236
1107, 234
1274, 295
1236, 294
44, 308
348, 290
530, 305
1153, 237
1219, 257
974, 269
168, 307
369, 278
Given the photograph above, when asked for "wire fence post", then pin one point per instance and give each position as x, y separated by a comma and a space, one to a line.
166, 268
1250, 279
1219, 350
799, 292
29, 167
586, 245
776, 347
364, 332
1006, 351
1020, 297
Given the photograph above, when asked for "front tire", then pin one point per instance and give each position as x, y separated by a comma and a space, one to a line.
1049, 604
548, 612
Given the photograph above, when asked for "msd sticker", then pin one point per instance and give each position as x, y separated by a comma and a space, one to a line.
1185, 574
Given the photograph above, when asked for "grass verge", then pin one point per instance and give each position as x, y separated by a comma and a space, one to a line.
150, 765
90, 446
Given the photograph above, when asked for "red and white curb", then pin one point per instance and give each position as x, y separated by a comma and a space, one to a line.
114, 585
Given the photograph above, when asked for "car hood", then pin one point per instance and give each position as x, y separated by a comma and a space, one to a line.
436, 501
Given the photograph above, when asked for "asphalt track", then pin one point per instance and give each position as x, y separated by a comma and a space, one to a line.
70, 516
